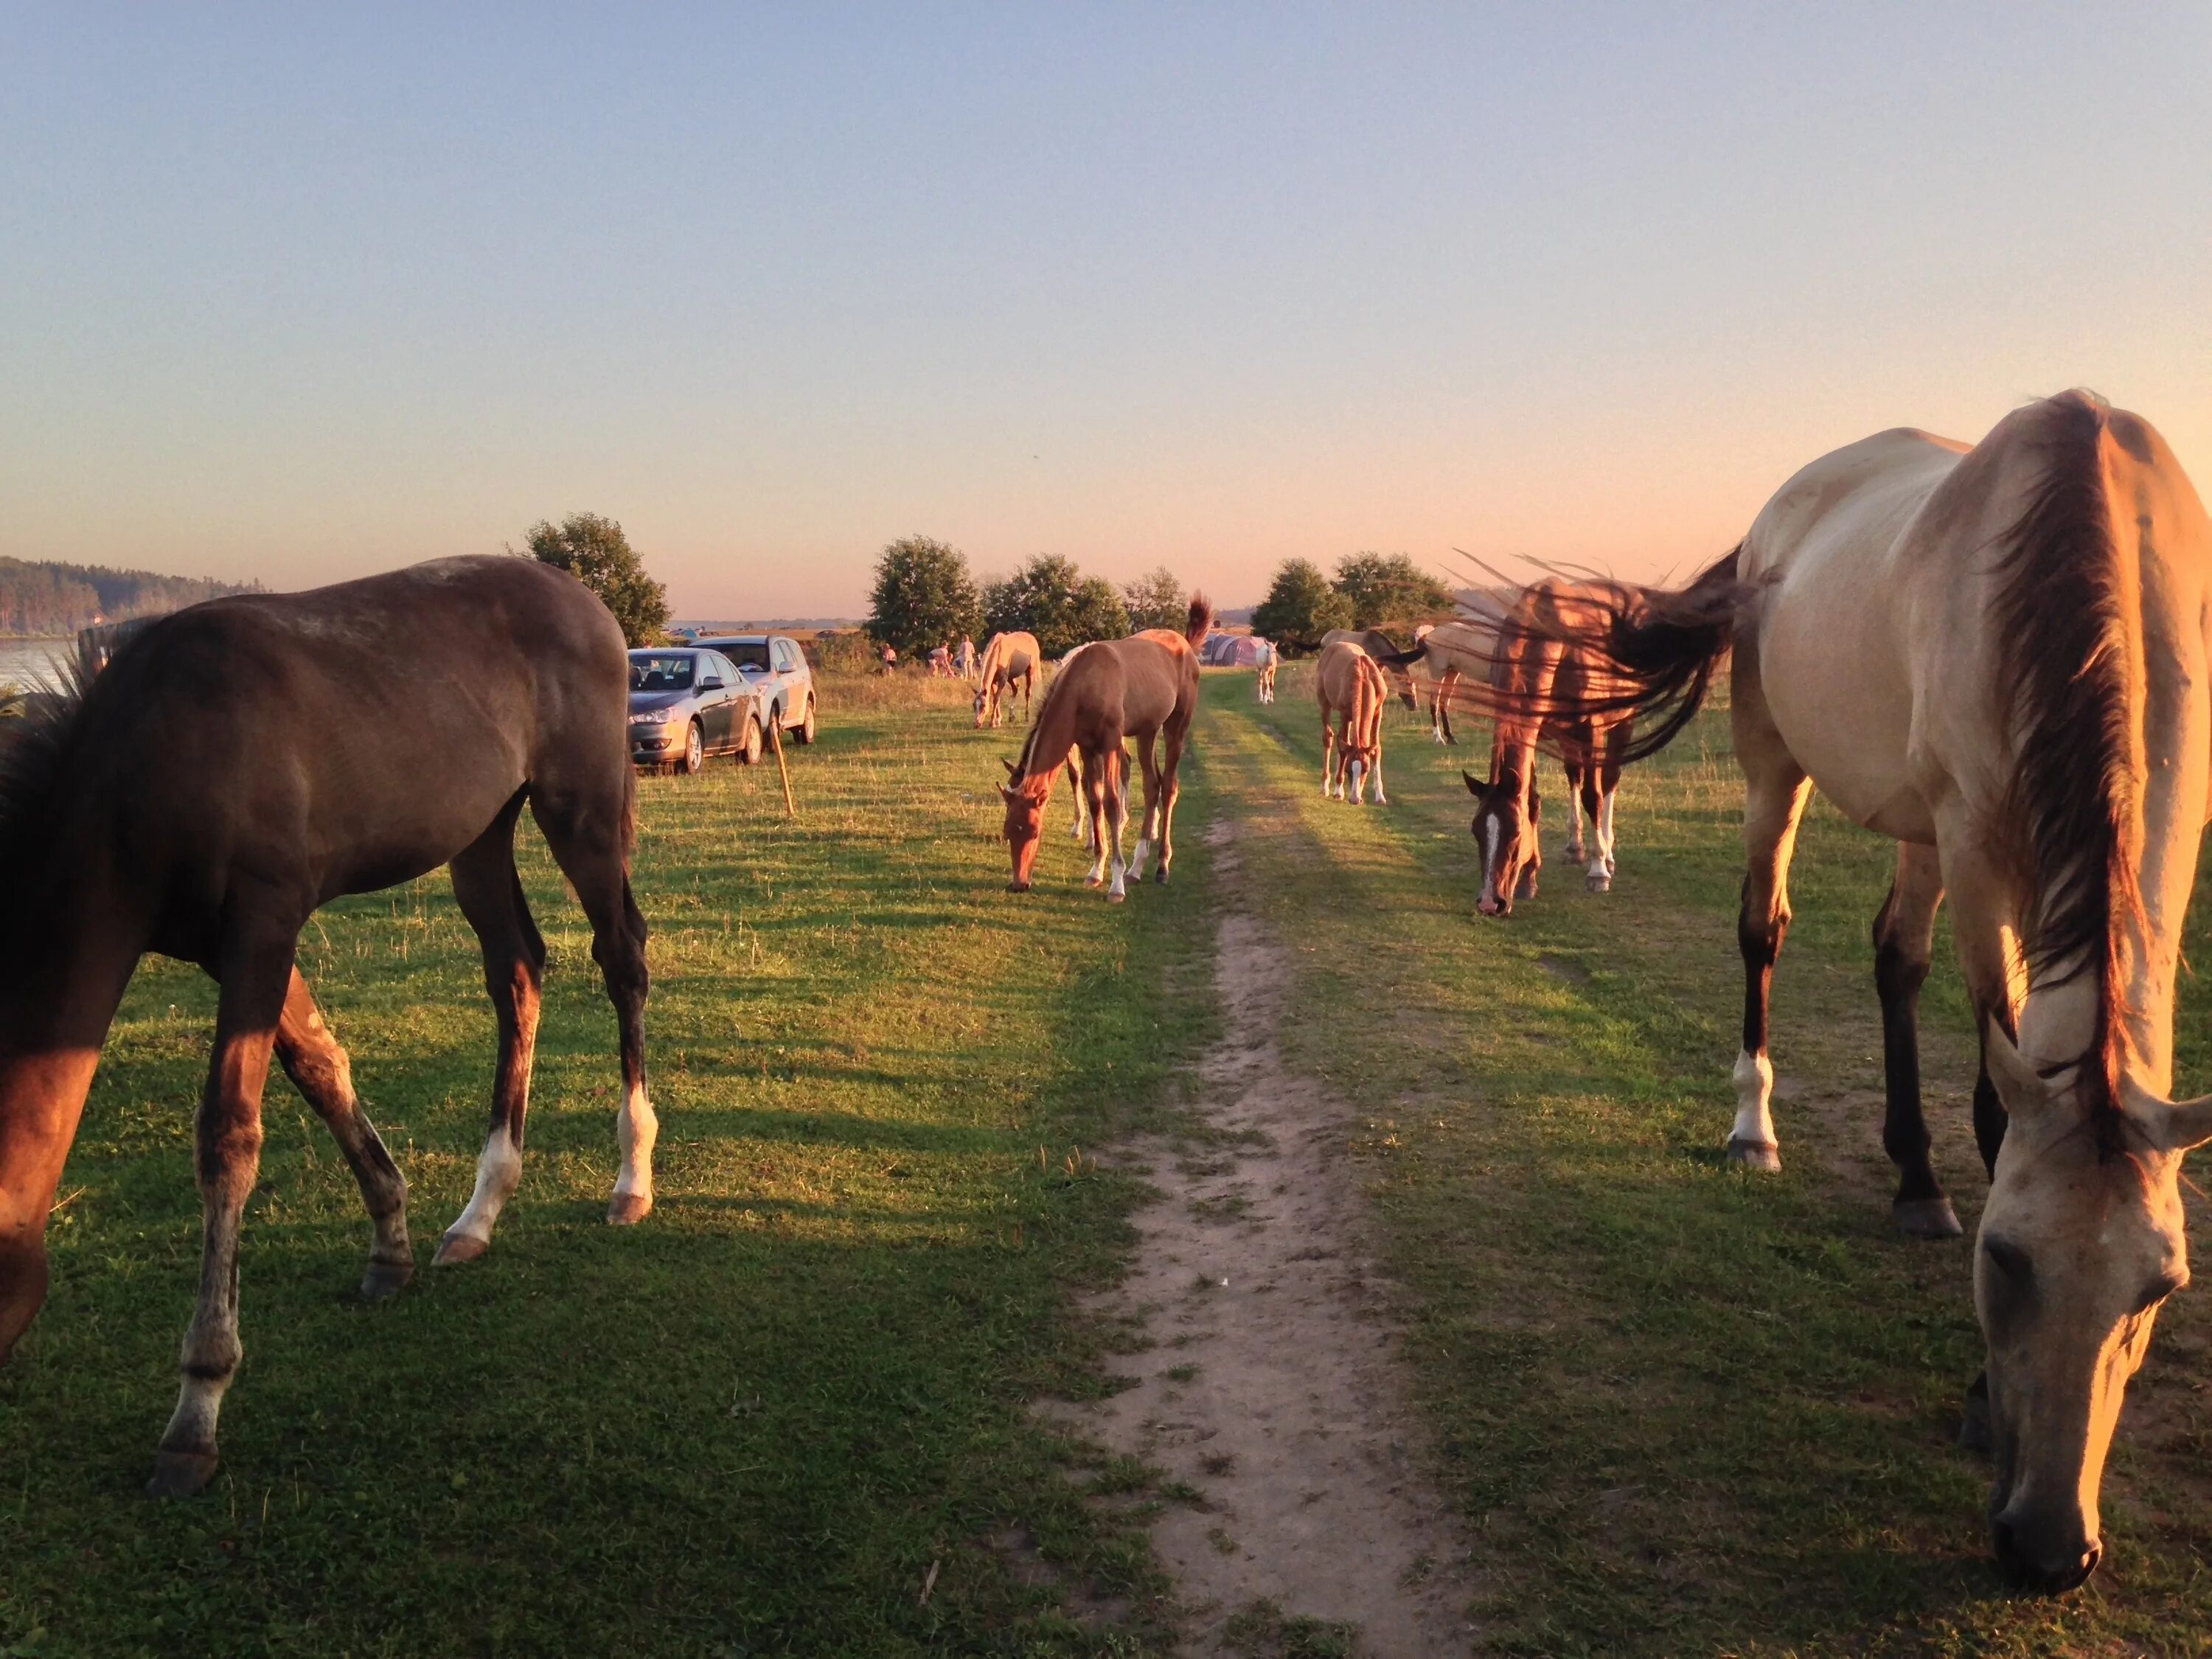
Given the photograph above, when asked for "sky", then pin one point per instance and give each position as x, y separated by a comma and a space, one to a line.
301, 293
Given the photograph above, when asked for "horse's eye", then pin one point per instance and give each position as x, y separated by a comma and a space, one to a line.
2008, 1259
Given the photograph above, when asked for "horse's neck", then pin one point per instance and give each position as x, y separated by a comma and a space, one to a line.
2173, 810
1052, 734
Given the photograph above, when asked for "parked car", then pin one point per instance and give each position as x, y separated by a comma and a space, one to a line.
775, 668
686, 704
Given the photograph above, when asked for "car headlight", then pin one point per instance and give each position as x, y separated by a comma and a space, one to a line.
654, 717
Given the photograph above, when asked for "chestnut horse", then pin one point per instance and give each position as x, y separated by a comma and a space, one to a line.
1144, 687
1010, 661
1548, 684
1999, 656
237, 766
1351, 691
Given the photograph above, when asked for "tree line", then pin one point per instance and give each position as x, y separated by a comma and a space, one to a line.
44, 598
925, 596
1371, 589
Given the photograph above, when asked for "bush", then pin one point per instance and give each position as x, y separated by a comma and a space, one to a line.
1301, 606
923, 597
596, 553
1049, 597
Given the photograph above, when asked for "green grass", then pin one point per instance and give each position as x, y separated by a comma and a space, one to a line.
752, 1425
1682, 1409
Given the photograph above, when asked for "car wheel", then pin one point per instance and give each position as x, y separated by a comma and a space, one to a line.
694, 751
750, 752
806, 728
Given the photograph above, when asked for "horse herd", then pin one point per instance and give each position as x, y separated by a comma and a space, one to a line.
1995, 654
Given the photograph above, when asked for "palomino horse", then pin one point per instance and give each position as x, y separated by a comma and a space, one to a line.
1548, 684
1010, 661
1144, 687
1447, 653
1351, 691
241, 763
1998, 657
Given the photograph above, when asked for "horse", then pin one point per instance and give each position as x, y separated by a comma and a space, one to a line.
1444, 653
1997, 656
1538, 659
237, 765
1351, 691
1009, 660
1144, 687
1384, 650
1264, 684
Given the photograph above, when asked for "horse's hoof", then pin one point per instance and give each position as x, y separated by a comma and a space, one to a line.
1117, 898
1161, 875
1018, 887
1763, 1155
1925, 1217
1573, 854
181, 1475
628, 1209
385, 1278
1094, 881
1600, 883
454, 1249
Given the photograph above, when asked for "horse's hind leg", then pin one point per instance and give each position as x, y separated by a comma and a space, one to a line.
591, 850
489, 893
1148, 836
1170, 792
1117, 817
1578, 769
1774, 801
1904, 941
254, 974
318, 1069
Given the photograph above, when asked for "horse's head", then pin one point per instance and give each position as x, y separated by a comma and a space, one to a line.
1025, 827
2081, 1241
1505, 830
982, 701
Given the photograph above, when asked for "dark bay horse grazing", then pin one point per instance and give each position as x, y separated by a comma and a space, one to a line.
1145, 688
1012, 662
240, 764
1351, 691
1998, 657
1548, 684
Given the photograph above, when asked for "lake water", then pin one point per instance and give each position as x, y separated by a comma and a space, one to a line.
30, 662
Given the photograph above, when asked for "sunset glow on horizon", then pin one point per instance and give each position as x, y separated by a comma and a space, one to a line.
296, 297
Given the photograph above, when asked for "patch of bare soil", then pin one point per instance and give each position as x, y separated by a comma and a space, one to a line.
1273, 1389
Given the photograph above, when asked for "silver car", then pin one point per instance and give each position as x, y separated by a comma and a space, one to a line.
686, 704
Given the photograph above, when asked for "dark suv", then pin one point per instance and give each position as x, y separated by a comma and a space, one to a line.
775, 669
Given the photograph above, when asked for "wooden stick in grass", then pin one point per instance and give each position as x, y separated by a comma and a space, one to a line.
776, 742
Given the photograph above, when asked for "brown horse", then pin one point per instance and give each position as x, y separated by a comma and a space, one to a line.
1144, 687
1011, 661
1548, 684
1997, 656
1351, 691
240, 764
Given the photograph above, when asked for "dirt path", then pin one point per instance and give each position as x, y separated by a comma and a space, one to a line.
1274, 1387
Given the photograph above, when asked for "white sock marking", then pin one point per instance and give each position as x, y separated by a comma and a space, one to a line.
499, 1172
1755, 1089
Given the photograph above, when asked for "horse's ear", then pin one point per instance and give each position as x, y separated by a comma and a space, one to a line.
1005, 794
2019, 1085
1008, 764
1472, 788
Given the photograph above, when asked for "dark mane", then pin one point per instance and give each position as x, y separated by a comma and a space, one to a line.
33, 750
2066, 826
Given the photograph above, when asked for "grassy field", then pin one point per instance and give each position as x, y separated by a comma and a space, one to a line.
758, 1423
1682, 1410
1685, 1410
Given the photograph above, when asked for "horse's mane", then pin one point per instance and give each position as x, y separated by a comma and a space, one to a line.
2066, 662
1028, 751
32, 755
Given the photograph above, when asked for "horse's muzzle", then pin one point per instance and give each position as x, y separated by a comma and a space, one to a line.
2047, 1561
1018, 887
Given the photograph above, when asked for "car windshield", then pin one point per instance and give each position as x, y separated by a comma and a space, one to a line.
654, 671
746, 656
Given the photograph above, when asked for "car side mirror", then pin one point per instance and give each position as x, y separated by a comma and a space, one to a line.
711, 683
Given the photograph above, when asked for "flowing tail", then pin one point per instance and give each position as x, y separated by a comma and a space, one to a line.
1650, 654
1201, 622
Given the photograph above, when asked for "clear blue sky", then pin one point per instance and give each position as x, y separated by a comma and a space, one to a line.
299, 293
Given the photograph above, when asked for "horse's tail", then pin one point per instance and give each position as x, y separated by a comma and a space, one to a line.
1649, 654
1406, 659
1199, 622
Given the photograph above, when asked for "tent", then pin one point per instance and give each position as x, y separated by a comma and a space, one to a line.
1235, 651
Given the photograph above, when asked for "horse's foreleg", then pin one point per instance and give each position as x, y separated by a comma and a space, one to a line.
227, 1157
318, 1069
1117, 816
1330, 759
1149, 834
1775, 800
1097, 786
1903, 941
597, 867
1075, 802
490, 895
1577, 771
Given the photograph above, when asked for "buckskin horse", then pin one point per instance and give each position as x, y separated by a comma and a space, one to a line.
1548, 683
1145, 688
241, 763
1010, 661
1351, 691
1996, 656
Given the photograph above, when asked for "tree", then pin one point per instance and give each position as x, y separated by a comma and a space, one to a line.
1157, 601
923, 597
1391, 589
1049, 597
1300, 606
596, 553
